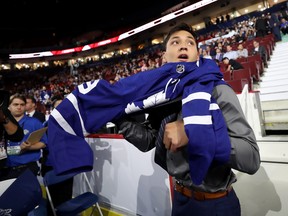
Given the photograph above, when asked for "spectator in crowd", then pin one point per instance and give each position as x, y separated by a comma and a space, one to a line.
9, 127
206, 55
230, 53
261, 26
242, 52
284, 26
232, 64
219, 55
214, 195
260, 49
23, 154
45, 97
11, 130
250, 34
274, 26
210, 51
31, 109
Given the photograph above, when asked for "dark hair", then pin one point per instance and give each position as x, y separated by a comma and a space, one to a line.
180, 27
32, 98
55, 99
18, 96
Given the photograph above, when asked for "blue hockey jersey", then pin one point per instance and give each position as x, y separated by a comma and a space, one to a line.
92, 104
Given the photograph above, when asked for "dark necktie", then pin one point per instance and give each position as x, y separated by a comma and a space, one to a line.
160, 151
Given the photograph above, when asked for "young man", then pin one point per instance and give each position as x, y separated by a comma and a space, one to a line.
214, 195
9, 127
208, 137
22, 155
232, 64
31, 109
26, 197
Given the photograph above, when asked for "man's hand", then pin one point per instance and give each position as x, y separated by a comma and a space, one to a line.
174, 135
25, 146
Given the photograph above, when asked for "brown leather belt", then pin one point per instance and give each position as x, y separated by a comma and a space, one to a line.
199, 195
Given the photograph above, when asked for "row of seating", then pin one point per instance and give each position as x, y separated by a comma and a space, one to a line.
253, 66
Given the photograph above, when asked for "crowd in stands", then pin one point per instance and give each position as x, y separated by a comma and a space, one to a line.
237, 42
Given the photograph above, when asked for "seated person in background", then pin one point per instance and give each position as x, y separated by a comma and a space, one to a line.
219, 55
232, 64
206, 55
9, 127
31, 109
230, 53
22, 155
9, 200
260, 49
242, 52
284, 26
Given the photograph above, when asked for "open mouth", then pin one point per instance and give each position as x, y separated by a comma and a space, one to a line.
183, 56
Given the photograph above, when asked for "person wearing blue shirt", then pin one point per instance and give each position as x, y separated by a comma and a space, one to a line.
22, 155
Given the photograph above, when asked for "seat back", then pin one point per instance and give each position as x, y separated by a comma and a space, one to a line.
259, 62
237, 85
23, 195
76, 204
244, 74
51, 177
254, 69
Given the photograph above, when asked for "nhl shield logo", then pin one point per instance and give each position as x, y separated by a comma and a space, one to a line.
180, 68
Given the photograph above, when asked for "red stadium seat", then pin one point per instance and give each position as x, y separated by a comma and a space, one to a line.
237, 85
259, 62
244, 74
254, 69
240, 60
227, 76
222, 66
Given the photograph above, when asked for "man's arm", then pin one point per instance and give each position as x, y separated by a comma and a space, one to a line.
245, 155
141, 135
13, 131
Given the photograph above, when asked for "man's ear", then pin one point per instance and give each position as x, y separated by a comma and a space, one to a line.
164, 60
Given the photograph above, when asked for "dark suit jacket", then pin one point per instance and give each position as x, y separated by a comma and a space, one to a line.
220, 57
261, 51
40, 116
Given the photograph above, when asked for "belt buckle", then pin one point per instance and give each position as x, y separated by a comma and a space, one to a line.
198, 196
181, 186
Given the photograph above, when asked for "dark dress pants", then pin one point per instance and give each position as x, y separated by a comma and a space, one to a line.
225, 206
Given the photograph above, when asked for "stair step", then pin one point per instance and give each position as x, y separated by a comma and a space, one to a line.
272, 83
274, 97
278, 65
268, 77
274, 72
274, 89
270, 105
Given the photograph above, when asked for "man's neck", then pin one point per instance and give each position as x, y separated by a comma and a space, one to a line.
31, 113
18, 118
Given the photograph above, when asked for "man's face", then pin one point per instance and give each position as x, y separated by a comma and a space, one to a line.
30, 106
226, 61
17, 107
181, 47
228, 48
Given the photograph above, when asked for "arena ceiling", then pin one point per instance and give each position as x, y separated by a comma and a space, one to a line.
28, 23
26, 20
